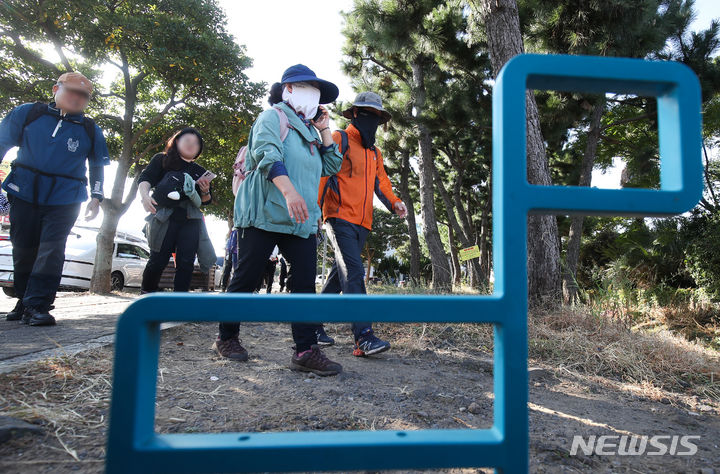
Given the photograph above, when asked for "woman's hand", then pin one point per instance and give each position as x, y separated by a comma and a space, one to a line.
296, 206
324, 120
295, 203
148, 203
203, 184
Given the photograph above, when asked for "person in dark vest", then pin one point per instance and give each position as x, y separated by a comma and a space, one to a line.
46, 187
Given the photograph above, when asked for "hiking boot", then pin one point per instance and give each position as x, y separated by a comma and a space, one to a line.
322, 338
36, 317
315, 361
230, 349
369, 344
17, 313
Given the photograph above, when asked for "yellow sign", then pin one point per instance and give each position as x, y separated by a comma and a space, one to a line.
470, 252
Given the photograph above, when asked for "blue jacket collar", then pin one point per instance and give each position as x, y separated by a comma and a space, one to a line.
53, 110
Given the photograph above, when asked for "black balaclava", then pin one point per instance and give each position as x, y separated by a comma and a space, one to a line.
367, 124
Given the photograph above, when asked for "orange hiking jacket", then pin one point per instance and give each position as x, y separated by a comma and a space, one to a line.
349, 193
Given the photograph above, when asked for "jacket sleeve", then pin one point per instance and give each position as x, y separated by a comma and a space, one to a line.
383, 186
11, 128
331, 157
100, 155
153, 172
324, 178
97, 177
266, 148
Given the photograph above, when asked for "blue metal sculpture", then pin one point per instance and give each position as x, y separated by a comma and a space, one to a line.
133, 445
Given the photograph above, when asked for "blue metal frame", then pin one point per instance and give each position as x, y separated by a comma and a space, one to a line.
133, 445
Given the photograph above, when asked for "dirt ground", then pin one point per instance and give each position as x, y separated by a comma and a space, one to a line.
409, 387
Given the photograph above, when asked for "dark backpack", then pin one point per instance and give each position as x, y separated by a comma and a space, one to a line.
332, 181
37, 110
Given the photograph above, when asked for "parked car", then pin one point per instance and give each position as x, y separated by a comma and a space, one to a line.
130, 255
129, 259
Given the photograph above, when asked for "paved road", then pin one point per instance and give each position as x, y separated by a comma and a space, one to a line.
84, 321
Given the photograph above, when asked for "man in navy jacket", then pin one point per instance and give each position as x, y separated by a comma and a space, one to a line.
46, 188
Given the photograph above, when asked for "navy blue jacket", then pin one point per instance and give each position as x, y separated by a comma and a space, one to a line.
53, 146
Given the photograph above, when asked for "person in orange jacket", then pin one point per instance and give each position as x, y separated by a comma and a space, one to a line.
346, 200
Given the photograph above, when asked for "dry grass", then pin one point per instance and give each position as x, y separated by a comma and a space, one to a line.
654, 351
581, 341
68, 396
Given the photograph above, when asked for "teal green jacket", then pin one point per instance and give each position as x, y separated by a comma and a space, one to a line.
259, 203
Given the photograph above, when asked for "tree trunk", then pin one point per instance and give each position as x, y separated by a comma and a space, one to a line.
411, 223
504, 40
454, 225
438, 257
454, 258
570, 287
113, 209
485, 244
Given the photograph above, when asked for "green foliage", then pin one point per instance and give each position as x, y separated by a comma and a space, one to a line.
703, 252
174, 65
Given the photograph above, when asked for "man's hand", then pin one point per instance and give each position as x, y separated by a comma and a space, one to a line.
92, 209
401, 209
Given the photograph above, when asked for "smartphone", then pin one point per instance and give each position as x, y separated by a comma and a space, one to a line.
319, 114
209, 175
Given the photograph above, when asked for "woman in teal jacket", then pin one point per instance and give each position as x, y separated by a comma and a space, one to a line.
289, 148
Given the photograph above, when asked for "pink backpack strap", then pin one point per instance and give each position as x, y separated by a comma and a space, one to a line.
284, 124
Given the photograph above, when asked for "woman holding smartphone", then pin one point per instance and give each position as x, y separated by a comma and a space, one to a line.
175, 224
289, 148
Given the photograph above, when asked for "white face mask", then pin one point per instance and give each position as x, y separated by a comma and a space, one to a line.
304, 99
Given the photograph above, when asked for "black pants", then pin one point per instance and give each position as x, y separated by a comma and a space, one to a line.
182, 237
38, 235
283, 277
226, 272
254, 249
347, 273
269, 275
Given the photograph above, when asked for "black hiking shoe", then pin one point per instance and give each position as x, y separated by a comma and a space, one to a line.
230, 349
316, 362
322, 338
369, 344
17, 313
36, 317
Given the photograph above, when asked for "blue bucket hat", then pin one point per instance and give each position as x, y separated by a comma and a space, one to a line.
301, 73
